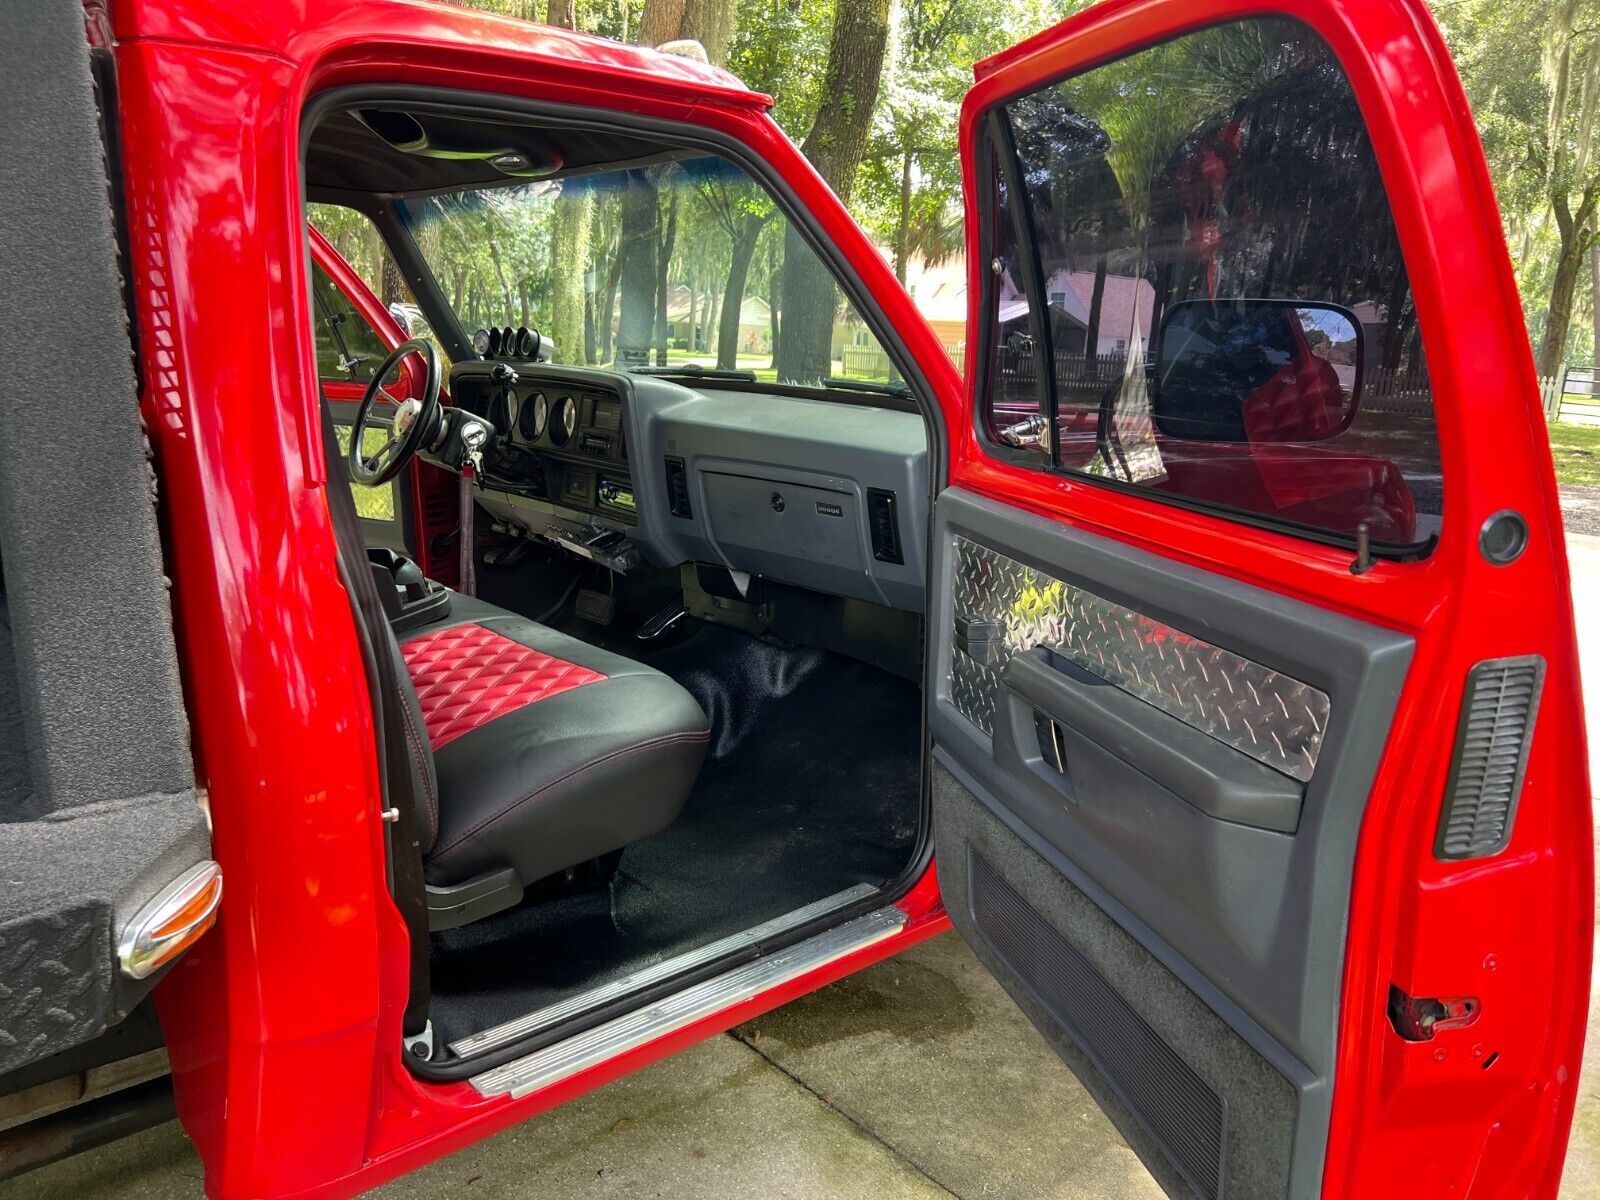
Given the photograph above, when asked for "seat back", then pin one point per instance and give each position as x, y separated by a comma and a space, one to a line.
405, 758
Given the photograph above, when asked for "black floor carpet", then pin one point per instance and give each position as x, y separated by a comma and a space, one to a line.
810, 787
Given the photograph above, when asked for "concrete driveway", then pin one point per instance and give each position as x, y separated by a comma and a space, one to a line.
915, 1078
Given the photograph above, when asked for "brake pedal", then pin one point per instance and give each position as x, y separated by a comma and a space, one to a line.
598, 608
662, 621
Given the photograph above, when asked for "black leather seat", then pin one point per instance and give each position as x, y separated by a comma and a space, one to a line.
548, 751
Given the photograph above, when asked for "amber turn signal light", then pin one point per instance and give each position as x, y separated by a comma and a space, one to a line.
172, 922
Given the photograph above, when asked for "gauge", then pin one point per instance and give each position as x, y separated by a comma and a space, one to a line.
566, 420
494, 342
533, 418
480, 342
524, 341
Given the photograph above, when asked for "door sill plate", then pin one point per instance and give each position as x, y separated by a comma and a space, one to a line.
515, 1030
594, 1046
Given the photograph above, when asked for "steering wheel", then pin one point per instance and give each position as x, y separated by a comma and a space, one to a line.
414, 421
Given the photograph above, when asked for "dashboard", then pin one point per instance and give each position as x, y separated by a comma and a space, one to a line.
556, 439
820, 494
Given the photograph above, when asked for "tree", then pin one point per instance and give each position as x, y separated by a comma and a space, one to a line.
711, 23
1532, 71
569, 247
835, 145
647, 239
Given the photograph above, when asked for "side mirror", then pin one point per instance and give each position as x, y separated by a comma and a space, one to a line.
402, 318
1256, 371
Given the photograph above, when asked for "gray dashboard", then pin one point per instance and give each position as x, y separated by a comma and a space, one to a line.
819, 494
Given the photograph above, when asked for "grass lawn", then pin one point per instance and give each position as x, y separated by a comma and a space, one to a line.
1577, 452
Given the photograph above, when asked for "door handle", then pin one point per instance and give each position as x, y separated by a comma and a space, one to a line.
1212, 777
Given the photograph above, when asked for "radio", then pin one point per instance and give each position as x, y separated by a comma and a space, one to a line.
616, 495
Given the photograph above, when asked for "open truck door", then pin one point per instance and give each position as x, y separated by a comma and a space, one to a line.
1258, 764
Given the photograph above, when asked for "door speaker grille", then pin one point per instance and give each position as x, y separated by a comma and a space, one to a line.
1176, 1107
1498, 709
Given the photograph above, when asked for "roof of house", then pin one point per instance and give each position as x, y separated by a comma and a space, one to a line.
754, 310
1071, 293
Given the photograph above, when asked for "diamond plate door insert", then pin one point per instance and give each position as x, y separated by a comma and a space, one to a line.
1275, 719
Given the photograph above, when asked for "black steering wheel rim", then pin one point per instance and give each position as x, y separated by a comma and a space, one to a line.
375, 470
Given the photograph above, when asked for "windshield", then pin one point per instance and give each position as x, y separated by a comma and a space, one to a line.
685, 265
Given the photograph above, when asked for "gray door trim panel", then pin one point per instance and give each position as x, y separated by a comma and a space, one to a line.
1253, 920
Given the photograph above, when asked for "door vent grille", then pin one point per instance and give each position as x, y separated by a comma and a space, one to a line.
1498, 709
1176, 1107
678, 488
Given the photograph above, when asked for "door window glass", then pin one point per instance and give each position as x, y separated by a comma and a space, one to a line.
348, 348
1227, 320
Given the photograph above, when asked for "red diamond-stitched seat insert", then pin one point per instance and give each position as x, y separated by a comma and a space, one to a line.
469, 675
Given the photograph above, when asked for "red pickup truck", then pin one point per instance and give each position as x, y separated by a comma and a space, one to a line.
455, 726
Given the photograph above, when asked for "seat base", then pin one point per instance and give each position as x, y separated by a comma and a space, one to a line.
549, 751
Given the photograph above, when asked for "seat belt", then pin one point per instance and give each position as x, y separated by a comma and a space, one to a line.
467, 584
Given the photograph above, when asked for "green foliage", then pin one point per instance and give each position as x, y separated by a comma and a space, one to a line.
908, 193
1576, 449
1531, 69
1532, 72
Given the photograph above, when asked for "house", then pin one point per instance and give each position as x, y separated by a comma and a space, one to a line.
940, 294
1124, 300
755, 322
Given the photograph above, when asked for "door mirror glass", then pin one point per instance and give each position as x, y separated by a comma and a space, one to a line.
402, 318
1248, 370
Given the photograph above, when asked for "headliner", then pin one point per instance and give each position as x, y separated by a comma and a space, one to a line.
347, 155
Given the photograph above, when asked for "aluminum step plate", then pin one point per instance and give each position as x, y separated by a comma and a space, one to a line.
515, 1030
594, 1046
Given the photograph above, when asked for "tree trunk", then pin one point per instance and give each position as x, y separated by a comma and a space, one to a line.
1594, 283
1558, 314
694, 309
902, 232
774, 294
589, 347
712, 24
744, 250
1574, 230
1091, 345
569, 259
569, 242
641, 222
608, 307
394, 283
835, 144
669, 237
500, 274
662, 21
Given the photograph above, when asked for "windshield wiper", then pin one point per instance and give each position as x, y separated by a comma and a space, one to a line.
696, 371
900, 390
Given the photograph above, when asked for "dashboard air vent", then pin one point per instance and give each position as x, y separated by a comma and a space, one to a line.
678, 488
884, 520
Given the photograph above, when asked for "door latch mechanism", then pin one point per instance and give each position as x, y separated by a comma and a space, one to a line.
1418, 1018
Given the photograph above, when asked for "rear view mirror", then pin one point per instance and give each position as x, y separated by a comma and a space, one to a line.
1256, 371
